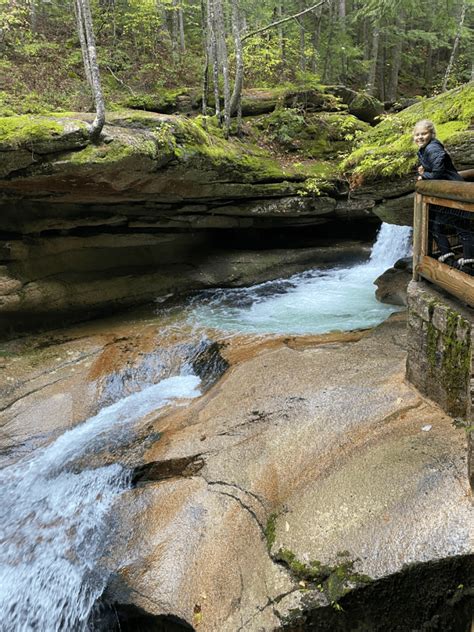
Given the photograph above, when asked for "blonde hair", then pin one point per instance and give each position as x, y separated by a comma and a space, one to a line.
426, 124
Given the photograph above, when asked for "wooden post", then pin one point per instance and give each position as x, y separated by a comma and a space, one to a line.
424, 228
417, 235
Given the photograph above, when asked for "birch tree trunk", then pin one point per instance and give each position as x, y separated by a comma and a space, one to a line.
342, 9
213, 52
174, 26
89, 55
455, 47
239, 59
396, 56
223, 60
205, 39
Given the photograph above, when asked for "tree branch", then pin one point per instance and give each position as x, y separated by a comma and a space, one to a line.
120, 81
287, 19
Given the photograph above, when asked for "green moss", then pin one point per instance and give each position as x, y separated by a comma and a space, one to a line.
165, 100
174, 138
449, 358
333, 581
237, 162
432, 345
456, 364
270, 530
22, 130
113, 152
388, 149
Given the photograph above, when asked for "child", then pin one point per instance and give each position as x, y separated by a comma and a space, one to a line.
436, 164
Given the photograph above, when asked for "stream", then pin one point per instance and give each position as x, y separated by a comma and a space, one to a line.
56, 516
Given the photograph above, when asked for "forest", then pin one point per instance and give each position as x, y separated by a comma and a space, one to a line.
150, 50
236, 387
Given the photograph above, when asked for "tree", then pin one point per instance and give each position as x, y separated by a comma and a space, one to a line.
455, 46
91, 67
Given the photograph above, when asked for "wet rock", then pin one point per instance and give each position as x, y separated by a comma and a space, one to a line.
208, 363
116, 617
393, 283
163, 470
76, 277
309, 452
432, 596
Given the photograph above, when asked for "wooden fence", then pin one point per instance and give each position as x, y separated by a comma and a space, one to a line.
452, 195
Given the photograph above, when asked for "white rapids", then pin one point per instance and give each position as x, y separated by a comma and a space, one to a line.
55, 517
55, 514
318, 301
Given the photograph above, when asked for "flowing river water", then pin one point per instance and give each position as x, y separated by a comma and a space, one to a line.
55, 514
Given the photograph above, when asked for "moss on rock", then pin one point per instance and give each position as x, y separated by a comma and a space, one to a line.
334, 581
388, 150
18, 131
144, 141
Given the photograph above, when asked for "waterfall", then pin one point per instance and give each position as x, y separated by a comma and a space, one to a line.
392, 243
316, 301
55, 517
55, 513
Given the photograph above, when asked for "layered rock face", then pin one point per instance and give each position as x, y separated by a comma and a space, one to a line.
164, 205
88, 227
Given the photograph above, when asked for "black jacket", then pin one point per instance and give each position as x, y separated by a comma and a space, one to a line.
437, 162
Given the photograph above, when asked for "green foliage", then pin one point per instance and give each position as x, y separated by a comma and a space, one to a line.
388, 149
139, 50
284, 125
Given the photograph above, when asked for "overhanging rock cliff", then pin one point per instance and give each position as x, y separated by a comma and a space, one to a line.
90, 227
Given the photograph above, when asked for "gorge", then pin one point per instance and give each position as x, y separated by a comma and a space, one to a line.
224, 457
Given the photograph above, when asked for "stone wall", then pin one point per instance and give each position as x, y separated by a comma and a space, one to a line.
440, 359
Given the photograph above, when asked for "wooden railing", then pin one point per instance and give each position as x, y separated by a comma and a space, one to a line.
451, 195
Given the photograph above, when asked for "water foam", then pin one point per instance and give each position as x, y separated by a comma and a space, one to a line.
317, 301
55, 517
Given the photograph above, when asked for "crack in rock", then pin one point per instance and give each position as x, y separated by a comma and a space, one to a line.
156, 471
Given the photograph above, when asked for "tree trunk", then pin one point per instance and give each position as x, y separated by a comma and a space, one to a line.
455, 47
281, 37
213, 54
302, 42
375, 56
205, 74
380, 81
239, 58
328, 45
82, 40
174, 26
342, 9
223, 61
86, 37
33, 16
428, 70
396, 61
182, 41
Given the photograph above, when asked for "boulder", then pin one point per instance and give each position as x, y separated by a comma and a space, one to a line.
393, 283
364, 106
